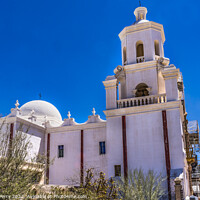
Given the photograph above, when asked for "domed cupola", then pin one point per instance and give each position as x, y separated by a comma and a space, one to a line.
42, 111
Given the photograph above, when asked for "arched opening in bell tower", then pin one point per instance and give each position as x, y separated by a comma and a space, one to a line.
141, 90
124, 56
157, 49
140, 51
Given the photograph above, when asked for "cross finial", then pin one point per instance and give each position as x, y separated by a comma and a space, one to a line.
17, 104
40, 96
32, 112
93, 112
69, 115
140, 3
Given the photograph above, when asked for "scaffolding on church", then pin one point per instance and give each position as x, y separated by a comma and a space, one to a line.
193, 152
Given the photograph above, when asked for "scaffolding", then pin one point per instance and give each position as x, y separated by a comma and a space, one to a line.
193, 152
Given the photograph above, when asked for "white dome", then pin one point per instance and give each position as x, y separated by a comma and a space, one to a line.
41, 108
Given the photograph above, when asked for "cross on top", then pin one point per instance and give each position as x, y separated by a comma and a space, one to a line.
17, 104
69, 115
32, 112
140, 3
93, 112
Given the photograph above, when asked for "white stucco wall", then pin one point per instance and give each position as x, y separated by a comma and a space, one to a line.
147, 37
114, 144
66, 170
175, 134
67, 167
92, 158
145, 143
171, 89
148, 77
36, 137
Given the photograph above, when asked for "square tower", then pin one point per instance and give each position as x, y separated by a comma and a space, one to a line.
145, 107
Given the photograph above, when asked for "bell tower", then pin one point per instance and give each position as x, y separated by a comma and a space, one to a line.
142, 62
144, 109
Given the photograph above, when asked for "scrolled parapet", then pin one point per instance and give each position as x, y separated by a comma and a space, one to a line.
94, 118
70, 121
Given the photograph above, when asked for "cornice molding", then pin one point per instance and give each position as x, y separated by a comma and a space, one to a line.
76, 127
23, 121
143, 109
142, 27
109, 84
140, 66
170, 73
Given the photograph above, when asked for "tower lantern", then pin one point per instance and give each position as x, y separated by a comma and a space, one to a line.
140, 13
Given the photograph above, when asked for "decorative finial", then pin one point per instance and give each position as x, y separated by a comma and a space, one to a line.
17, 104
93, 112
32, 112
69, 115
140, 13
32, 116
140, 3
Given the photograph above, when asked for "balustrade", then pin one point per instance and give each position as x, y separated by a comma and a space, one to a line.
140, 59
139, 101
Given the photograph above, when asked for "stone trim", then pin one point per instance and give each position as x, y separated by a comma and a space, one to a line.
143, 109
124, 139
76, 127
141, 27
82, 160
170, 74
167, 153
109, 84
48, 158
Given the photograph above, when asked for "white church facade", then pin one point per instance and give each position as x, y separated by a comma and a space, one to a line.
145, 112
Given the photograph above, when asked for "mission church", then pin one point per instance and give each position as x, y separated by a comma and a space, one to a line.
145, 116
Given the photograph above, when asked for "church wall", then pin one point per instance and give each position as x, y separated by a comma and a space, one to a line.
148, 77
175, 133
35, 136
66, 170
67, 167
156, 35
145, 142
171, 89
92, 157
146, 37
114, 144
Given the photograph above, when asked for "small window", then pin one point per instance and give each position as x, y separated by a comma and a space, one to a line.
124, 56
102, 148
117, 170
139, 49
157, 50
140, 52
60, 151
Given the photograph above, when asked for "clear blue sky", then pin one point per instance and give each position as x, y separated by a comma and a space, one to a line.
65, 49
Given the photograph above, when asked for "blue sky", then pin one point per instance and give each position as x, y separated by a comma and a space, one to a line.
65, 49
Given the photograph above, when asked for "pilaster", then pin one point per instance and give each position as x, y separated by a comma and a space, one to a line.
170, 76
111, 92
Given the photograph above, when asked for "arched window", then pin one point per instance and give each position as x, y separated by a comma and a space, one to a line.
124, 56
140, 51
157, 49
141, 90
